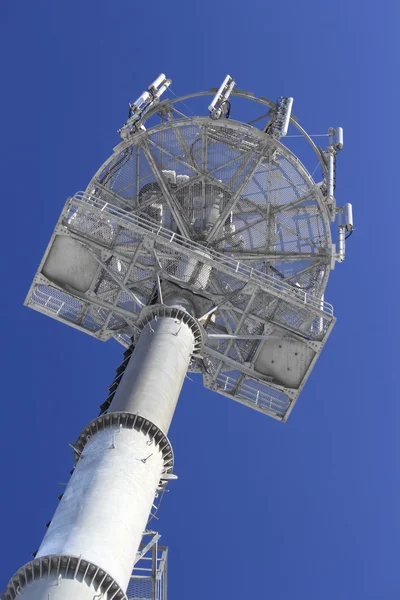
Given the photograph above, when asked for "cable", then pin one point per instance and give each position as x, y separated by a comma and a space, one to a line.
222, 108
181, 101
117, 166
228, 108
191, 150
349, 234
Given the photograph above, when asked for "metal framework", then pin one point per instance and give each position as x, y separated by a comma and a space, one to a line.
201, 244
243, 310
224, 213
149, 576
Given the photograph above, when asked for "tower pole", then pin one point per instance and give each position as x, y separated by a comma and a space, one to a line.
122, 456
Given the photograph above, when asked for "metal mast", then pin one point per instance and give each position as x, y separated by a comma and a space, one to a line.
92, 541
201, 244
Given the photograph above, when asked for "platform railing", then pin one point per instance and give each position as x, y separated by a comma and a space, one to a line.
235, 266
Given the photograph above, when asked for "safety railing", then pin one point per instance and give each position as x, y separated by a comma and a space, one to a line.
235, 266
53, 304
149, 581
258, 397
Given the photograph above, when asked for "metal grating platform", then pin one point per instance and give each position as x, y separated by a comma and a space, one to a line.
149, 575
242, 310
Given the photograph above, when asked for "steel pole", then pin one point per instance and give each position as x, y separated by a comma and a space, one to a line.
104, 510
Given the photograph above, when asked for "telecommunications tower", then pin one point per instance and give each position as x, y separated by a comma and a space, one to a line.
202, 244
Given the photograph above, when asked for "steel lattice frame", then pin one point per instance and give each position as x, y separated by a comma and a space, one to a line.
224, 213
150, 572
278, 212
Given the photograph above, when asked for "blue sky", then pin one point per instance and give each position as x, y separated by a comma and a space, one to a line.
302, 511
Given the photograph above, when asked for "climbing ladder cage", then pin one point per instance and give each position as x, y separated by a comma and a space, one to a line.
149, 575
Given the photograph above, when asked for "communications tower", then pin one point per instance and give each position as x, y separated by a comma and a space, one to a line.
202, 244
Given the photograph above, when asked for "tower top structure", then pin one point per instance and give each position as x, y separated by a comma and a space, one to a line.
219, 213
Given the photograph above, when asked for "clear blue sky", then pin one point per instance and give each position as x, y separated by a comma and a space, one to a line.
303, 511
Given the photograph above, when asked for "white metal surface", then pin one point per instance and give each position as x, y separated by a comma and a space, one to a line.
139, 108
105, 507
280, 118
58, 577
60, 588
348, 216
221, 99
154, 377
341, 243
339, 138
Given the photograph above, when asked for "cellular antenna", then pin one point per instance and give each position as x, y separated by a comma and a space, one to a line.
202, 244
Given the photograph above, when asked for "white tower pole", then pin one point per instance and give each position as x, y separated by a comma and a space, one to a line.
100, 520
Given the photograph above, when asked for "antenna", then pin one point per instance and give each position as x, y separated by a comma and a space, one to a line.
202, 244
220, 103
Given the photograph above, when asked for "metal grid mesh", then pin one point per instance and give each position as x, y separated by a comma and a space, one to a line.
207, 168
251, 392
140, 589
54, 300
65, 307
95, 226
149, 576
217, 208
139, 251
